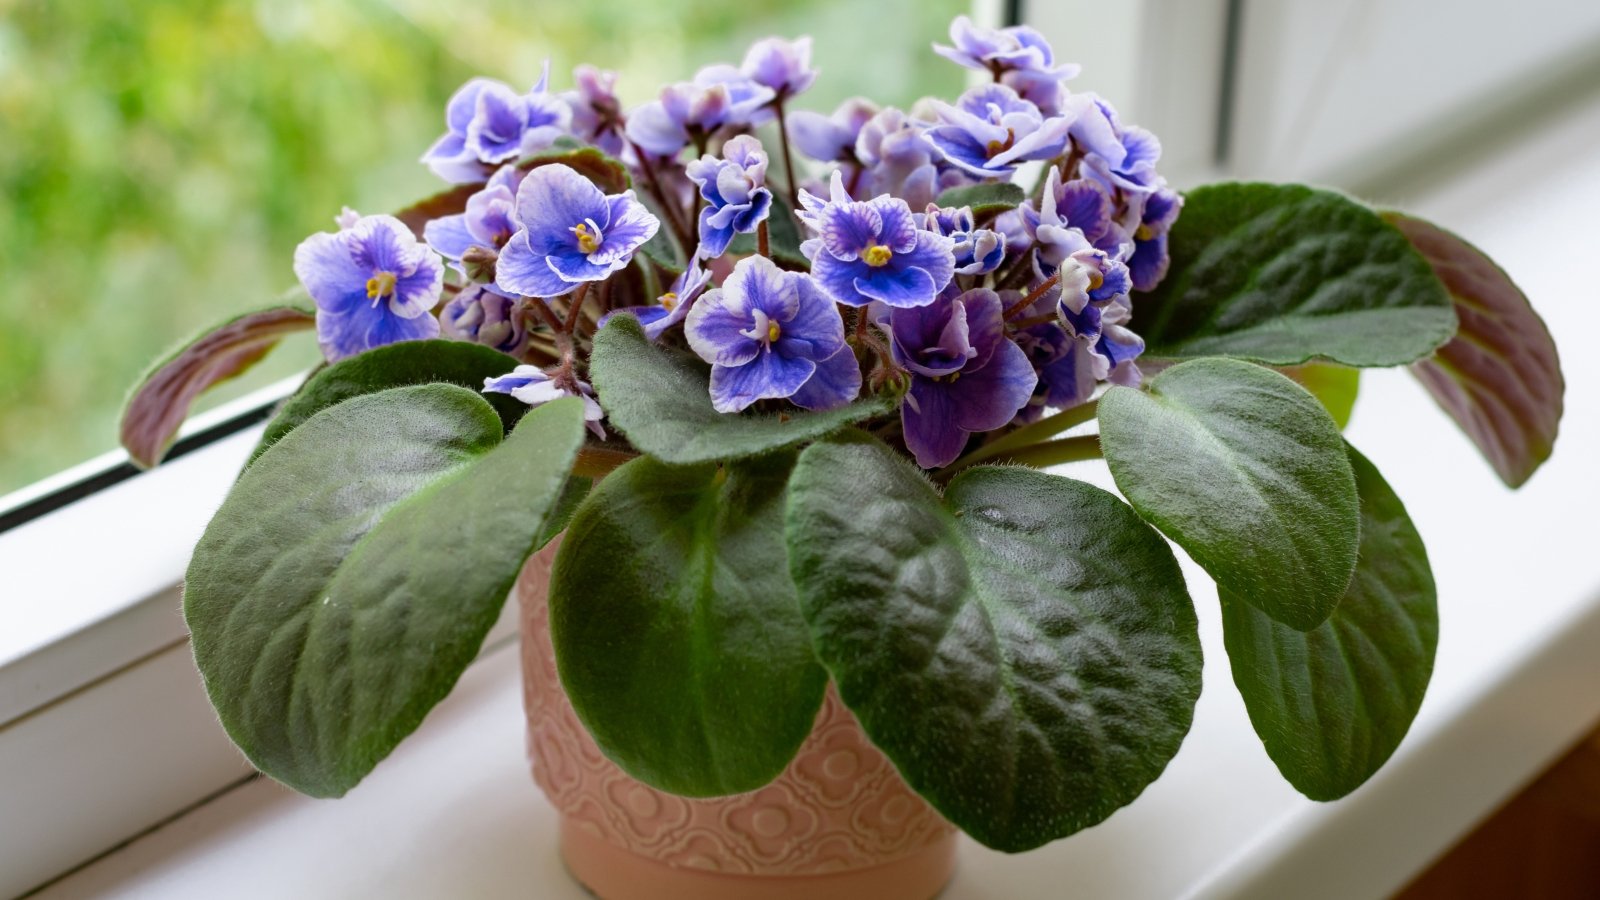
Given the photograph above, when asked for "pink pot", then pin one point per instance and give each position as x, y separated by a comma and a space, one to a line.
838, 823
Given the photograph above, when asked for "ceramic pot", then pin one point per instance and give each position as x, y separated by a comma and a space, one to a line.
838, 823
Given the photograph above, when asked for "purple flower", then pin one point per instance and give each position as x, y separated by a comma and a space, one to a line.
898, 159
1017, 56
873, 250
1000, 50
765, 332
671, 307
831, 138
1073, 216
1149, 261
966, 375
570, 233
533, 387
784, 66
992, 129
488, 123
373, 283
1116, 156
481, 315
734, 188
718, 95
489, 221
978, 251
596, 113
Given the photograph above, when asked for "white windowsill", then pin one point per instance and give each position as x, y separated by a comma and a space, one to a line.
454, 813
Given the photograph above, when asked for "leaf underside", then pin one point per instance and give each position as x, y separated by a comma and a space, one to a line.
156, 408
1500, 377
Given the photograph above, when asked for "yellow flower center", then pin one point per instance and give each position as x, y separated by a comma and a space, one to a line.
772, 332
669, 300
380, 285
1096, 279
878, 255
588, 241
996, 148
1145, 233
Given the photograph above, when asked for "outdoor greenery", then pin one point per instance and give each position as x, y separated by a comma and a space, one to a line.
162, 158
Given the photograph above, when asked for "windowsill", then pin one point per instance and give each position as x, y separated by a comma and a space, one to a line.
454, 813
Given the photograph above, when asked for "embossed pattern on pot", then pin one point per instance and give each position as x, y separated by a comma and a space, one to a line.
839, 806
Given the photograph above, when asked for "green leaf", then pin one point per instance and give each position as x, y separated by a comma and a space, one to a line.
1331, 705
985, 199
676, 628
661, 400
353, 571
391, 366
1023, 649
561, 512
783, 238
1282, 274
1335, 387
156, 408
1500, 377
1246, 471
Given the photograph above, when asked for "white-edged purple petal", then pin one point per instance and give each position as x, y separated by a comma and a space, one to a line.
836, 382
449, 235
631, 225
521, 271
553, 199
716, 332
768, 376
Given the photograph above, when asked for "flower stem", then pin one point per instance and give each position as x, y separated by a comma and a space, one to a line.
660, 194
1029, 435
1051, 453
598, 462
1033, 296
763, 243
788, 160
578, 296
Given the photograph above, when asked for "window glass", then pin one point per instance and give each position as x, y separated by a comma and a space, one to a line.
160, 159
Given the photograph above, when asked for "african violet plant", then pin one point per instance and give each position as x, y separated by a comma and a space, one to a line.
793, 417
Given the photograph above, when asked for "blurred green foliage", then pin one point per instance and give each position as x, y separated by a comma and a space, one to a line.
160, 159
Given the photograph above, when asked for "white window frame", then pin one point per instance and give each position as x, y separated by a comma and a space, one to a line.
105, 731
104, 728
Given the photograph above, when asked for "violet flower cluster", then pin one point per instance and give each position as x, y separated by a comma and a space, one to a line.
973, 319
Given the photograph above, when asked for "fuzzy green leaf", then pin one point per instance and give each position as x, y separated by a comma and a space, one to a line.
353, 571
1332, 704
1246, 471
1022, 648
1283, 274
661, 400
676, 628
985, 199
391, 366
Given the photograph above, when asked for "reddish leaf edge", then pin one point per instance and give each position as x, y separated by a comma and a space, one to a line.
1500, 377
158, 406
